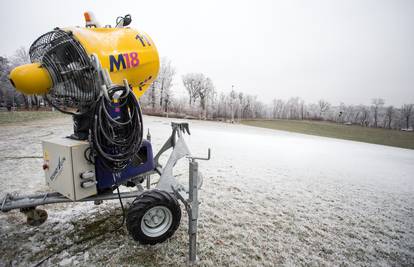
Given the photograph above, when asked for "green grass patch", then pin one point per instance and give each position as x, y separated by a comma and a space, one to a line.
340, 131
25, 116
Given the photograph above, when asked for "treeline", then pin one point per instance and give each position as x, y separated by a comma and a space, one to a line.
376, 115
204, 101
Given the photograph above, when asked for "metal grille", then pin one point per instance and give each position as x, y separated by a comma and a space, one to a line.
75, 87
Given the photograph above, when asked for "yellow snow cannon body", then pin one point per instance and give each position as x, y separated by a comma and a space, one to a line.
124, 52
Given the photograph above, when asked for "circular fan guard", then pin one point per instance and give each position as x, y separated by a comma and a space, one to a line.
75, 81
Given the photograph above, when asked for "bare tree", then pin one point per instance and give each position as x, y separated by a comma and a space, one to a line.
153, 94
323, 107
302, 109
233, 97
206, 88
164, 80
274, 108
239, 106
351, 114
193, 82
364, 116
205, 91
4, 67
293, 108
406, 112
377, 103
221, 106
344, 113
21, 57
389, 114
168, 96
277, 108
9, 96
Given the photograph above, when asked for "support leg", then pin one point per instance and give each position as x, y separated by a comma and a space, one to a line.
148, 178
193, 212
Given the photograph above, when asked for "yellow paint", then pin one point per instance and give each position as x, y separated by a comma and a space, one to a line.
105, 42
31, 79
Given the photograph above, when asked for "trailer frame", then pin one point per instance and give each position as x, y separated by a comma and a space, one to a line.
189, 196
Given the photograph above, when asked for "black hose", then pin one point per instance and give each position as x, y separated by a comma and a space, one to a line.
117, 135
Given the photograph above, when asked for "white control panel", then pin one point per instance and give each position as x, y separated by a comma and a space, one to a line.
66, 169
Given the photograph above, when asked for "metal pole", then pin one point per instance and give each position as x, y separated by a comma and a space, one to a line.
148, 177
231, 104
193, 213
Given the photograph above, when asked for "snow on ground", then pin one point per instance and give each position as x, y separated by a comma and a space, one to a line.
269, 198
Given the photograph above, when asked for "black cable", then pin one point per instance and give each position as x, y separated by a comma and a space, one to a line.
118, 20
120, 201
89, 155
126, 20
117, 130
122, 207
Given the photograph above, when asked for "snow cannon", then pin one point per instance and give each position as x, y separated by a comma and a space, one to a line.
97, 74
31, 79
61, 55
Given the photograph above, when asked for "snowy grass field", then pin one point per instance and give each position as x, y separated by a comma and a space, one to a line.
269, 198
379, 136
24, 116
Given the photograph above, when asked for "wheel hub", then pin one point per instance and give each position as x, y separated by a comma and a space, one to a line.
156, 221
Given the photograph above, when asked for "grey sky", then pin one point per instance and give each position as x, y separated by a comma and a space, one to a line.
349, 51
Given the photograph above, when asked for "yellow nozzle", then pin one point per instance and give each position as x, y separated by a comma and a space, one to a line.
31, 79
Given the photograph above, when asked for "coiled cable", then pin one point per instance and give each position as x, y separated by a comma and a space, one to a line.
117, 130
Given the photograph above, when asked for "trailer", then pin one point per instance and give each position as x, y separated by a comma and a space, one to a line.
154, 214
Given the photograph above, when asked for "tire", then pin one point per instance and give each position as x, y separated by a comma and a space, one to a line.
153, 217
36, 217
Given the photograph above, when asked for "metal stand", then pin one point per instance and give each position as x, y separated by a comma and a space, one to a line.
148, 177
192, 205
193, 211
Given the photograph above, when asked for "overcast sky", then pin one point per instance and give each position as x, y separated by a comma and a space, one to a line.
343, 51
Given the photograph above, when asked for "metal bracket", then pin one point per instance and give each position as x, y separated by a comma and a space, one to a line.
177, 128
183, 127
199, 158
5, 199
58, 169
102, 75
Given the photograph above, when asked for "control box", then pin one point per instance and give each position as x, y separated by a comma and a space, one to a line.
66, 169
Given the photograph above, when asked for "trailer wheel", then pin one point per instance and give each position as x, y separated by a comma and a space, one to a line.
153, 217
35, 217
